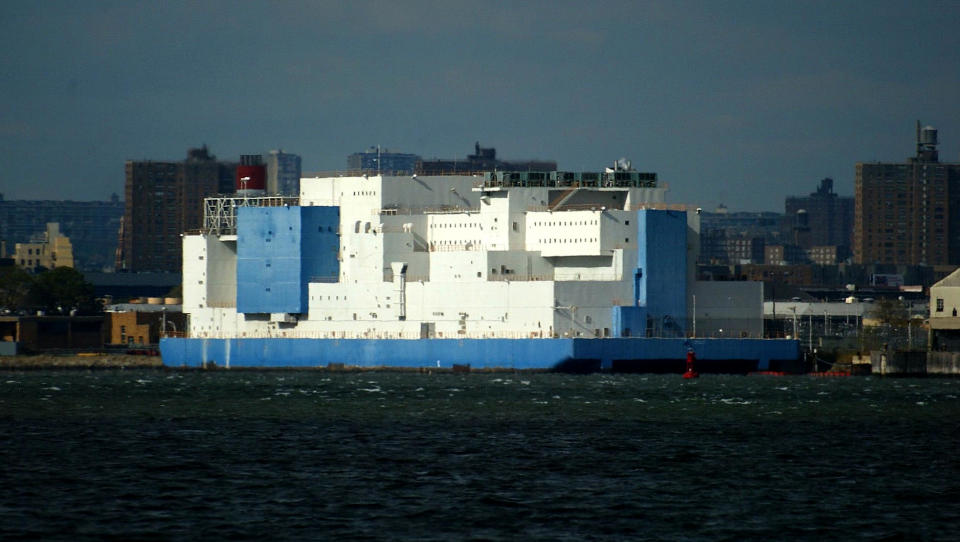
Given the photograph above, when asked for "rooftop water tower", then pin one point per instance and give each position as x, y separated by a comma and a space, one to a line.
927, 143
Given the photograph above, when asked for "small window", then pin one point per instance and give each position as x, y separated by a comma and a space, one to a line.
939, 304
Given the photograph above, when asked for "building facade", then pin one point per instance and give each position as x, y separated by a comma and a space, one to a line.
164, 200
283, 173
483, 159
823, 217
92, 227
738, 237
382, 161
908, 213
46, 251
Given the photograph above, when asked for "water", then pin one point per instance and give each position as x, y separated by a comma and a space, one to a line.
309, 454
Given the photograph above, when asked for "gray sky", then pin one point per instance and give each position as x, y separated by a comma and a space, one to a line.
742, 103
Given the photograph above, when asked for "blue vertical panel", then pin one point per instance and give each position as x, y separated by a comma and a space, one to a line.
629, 321
662, 262
278, 250
321, 243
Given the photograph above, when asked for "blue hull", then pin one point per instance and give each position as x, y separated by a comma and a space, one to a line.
630, 354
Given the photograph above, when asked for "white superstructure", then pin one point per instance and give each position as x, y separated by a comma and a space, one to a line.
502, 255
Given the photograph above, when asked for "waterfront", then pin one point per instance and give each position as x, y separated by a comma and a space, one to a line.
153, 454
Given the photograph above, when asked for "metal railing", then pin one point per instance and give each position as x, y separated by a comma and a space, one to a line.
220, 213
387, 173
442, 210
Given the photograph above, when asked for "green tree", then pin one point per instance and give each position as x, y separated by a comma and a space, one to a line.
891, 311
16, 286
64, 289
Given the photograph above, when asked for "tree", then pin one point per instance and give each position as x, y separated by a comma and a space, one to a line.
15, 288
64, 289
892, 311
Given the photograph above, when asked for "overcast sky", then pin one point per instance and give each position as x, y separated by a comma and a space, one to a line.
741, 103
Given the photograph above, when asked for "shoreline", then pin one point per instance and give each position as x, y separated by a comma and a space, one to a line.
80, 361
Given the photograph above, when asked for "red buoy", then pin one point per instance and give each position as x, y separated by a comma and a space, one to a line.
691, 372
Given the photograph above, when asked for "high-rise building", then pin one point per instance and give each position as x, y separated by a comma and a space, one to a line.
825, 218
739, 237
283, 173
908, 213
383, 161
164, 200
483, 159
92, 226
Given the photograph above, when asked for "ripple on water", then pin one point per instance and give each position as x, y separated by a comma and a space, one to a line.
409, 456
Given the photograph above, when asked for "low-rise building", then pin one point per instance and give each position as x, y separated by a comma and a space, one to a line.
142, 324
42, 333
48, 250
944, 316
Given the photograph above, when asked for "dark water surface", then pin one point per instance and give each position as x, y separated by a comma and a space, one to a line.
306, 454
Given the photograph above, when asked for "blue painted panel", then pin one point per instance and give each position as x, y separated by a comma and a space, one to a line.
478, 353
279, 249
662, 263
320, 242
629, 321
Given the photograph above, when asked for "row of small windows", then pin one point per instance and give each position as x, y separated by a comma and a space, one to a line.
571, 223
456, 242
365, 193
590, 240
443, 225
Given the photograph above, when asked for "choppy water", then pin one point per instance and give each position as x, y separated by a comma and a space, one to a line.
295, 455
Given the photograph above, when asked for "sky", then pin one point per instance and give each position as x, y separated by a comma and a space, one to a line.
740, 103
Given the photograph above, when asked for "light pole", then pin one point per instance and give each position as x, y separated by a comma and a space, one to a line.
794, 309
694, 316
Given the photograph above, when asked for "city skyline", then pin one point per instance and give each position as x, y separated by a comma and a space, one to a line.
752, 98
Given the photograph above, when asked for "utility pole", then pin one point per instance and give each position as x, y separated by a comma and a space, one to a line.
694, 316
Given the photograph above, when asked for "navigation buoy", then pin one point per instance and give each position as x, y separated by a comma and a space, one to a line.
691, 372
